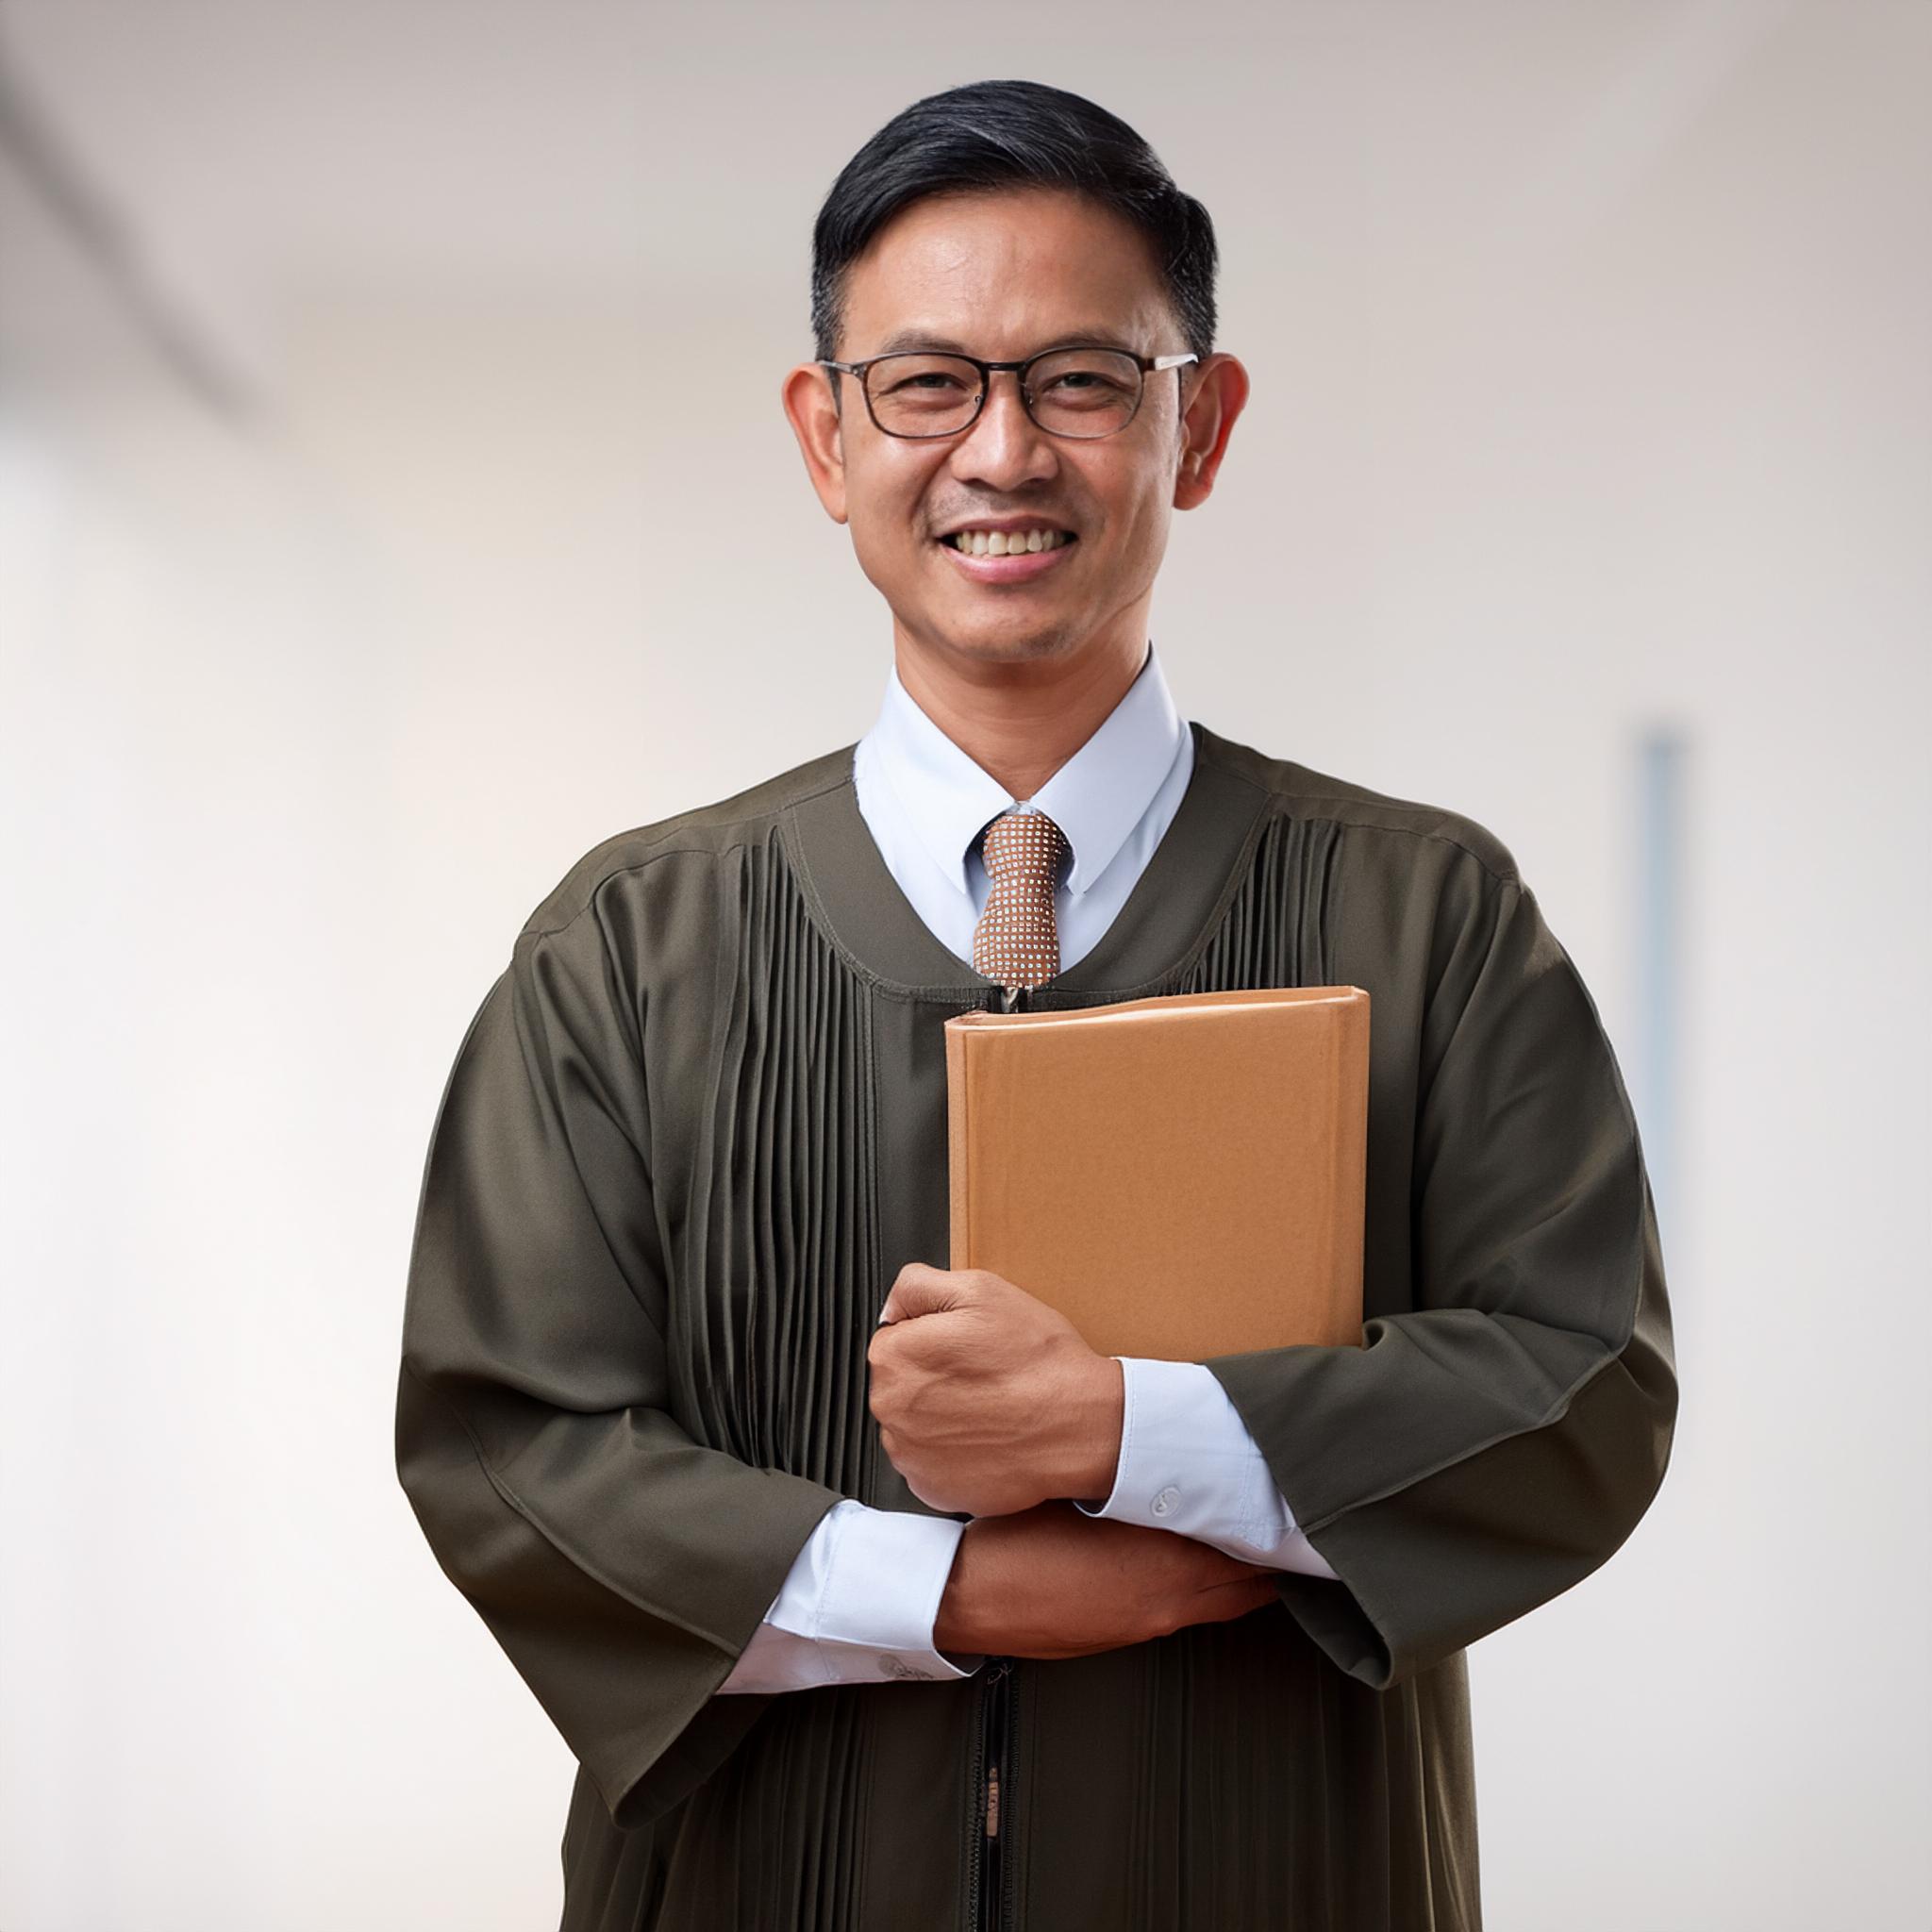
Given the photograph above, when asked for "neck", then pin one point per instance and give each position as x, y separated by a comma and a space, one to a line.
1020, 720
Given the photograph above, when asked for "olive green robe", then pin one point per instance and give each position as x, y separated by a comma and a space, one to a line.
693, 1133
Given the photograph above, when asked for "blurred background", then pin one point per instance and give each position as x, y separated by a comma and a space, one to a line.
394, 501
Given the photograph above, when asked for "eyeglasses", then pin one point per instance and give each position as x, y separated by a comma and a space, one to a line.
1080, 393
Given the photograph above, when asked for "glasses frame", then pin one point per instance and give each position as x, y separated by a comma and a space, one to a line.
1148, 365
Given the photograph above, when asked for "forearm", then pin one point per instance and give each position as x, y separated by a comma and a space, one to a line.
1050, 1582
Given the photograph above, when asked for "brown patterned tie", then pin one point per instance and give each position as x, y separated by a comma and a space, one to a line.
1017, 942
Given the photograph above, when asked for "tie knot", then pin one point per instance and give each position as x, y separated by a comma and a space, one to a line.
1022, 845
1017, 940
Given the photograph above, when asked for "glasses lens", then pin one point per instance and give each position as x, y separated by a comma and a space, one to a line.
1084, 391
923, 395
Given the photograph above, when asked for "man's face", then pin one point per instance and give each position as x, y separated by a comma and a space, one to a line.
1003, 276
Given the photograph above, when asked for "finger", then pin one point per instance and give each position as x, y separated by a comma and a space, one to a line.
922, 1290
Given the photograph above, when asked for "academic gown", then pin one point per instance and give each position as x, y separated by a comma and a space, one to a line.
693, 1133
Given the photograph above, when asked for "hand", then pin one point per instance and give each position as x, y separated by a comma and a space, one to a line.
1053, 1583
988, 1401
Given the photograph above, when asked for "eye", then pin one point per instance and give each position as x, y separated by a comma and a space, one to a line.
925, 381
1084, 382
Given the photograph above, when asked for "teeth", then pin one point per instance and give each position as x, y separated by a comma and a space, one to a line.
1007, 542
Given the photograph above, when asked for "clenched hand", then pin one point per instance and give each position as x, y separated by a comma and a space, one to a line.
988, 1401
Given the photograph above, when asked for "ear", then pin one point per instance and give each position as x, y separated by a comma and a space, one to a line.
814, 418
1220, 394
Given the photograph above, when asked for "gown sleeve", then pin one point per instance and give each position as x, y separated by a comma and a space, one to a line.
621, 1566
1489, 1446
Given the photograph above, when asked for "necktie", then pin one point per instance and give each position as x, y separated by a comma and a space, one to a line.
1016, 941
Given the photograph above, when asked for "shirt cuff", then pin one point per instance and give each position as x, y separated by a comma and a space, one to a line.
858, 1606
1188, 1464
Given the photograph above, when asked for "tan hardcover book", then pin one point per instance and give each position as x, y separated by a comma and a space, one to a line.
1180, 1177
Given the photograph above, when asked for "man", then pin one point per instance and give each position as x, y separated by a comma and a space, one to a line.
866, 1594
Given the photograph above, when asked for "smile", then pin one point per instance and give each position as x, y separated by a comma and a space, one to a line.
1021, 553
1005, 543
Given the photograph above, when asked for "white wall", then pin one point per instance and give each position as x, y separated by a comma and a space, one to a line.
1591, 396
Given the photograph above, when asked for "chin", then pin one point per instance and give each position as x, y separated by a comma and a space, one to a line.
1005, 629
1006, 643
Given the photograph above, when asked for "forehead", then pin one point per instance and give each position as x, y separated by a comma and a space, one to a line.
1003, 274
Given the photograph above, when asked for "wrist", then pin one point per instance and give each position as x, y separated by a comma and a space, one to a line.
1100, 1418
953, 1624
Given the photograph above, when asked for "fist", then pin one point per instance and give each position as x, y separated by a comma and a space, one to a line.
988, 1401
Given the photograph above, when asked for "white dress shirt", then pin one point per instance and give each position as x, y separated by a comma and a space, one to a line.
859, 1602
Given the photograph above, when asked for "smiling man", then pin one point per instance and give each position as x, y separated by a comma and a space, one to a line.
866, 1594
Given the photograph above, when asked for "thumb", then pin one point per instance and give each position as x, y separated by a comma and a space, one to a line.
919, 1291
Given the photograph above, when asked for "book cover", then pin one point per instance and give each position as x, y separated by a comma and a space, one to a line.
1181, 1176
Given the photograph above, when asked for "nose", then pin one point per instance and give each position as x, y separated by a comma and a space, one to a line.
1005, 447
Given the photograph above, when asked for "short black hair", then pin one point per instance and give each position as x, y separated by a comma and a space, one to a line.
996, 134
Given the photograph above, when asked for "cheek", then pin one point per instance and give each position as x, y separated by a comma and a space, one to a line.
882, 514
1131, 494
887, 550
1144, 526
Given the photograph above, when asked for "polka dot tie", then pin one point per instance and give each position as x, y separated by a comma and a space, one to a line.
1017, 942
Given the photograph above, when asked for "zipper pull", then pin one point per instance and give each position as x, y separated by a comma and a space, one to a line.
998, 1668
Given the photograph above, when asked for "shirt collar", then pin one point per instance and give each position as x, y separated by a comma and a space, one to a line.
1096, 798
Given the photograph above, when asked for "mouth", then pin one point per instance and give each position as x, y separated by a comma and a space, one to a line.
1005, 556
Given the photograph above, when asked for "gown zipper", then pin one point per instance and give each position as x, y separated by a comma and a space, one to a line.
997, 1728
995, 1794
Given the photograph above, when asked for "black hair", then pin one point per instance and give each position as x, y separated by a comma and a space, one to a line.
996, 134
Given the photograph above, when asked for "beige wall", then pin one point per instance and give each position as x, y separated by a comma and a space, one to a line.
1590, 397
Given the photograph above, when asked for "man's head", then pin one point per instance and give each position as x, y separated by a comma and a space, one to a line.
1001, 220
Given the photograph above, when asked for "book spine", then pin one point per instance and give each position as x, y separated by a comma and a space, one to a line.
1352, 1157
960, 1240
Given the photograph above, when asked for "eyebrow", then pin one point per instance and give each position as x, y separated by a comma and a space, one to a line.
908, 338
